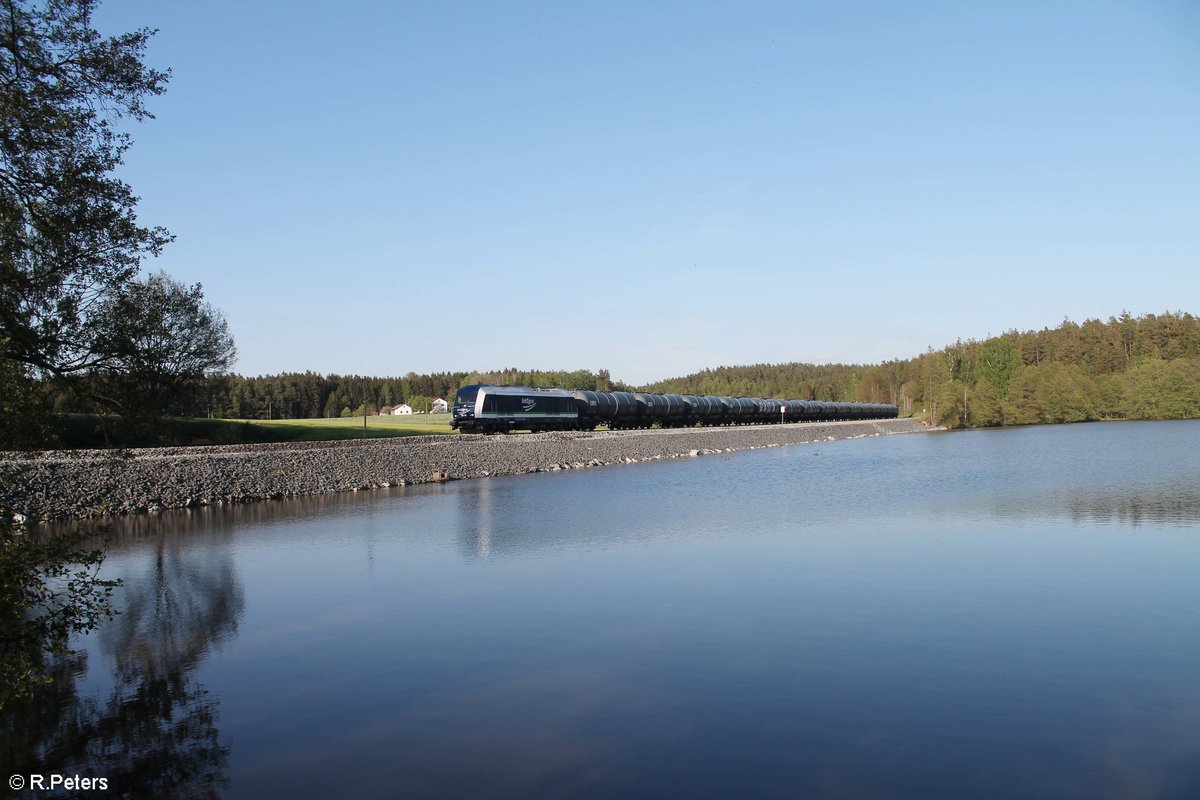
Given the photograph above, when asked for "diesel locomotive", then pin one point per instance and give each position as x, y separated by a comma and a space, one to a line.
484, 408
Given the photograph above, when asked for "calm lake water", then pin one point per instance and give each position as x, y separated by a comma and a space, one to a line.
1008, 614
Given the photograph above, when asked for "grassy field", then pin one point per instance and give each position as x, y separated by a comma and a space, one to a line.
311, 430
86, 430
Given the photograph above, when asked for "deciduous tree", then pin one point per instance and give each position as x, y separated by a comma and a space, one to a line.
69, 234
69, 240
158, 342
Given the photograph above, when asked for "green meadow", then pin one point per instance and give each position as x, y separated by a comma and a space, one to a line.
310, 430
93, 431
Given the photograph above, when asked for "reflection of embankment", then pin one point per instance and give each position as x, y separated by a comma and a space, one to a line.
156, 734
195, 523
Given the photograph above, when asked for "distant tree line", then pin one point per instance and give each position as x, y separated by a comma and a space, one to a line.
1127, 367
599, 381
837, 382
307, 395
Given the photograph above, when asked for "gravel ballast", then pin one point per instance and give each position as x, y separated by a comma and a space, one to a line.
58, 485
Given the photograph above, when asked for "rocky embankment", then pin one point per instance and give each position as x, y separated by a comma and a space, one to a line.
65, 485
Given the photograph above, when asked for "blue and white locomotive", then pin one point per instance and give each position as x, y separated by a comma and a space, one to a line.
484, 408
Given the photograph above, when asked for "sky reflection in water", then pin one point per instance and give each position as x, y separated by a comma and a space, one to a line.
985, 614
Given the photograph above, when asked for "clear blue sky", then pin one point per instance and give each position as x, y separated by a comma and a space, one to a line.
655, 188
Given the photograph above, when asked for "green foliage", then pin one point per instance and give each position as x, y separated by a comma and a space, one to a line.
1109, 397
549, 379
418, 402
23, 402
70, 242
1128, 367
308, 395
986, 407
1065, 393
1021, 404
952, 406
1159, 389
76, 325
832, 382
998, 359
1010, 379
160, 341
68, 228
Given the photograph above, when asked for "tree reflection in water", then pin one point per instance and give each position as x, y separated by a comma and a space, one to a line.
156, 735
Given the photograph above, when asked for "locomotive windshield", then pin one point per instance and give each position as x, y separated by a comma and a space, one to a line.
466, 394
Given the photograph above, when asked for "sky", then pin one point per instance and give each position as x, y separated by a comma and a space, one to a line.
655, 188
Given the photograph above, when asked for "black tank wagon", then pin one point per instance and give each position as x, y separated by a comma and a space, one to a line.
484, 408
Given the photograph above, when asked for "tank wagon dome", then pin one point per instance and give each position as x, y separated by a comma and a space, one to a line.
606, 405
675, 404
653, 405
740, 407
795, 409
702, 405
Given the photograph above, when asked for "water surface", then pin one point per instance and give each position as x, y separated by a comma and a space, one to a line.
1008, 613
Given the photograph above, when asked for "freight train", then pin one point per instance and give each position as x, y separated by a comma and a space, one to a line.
484, 408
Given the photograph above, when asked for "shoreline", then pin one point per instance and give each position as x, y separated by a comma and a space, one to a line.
64, 485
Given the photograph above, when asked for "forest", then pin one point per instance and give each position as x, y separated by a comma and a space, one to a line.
1128, 367
308, 395
1145, 367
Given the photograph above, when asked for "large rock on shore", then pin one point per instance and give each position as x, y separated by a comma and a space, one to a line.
65, 485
